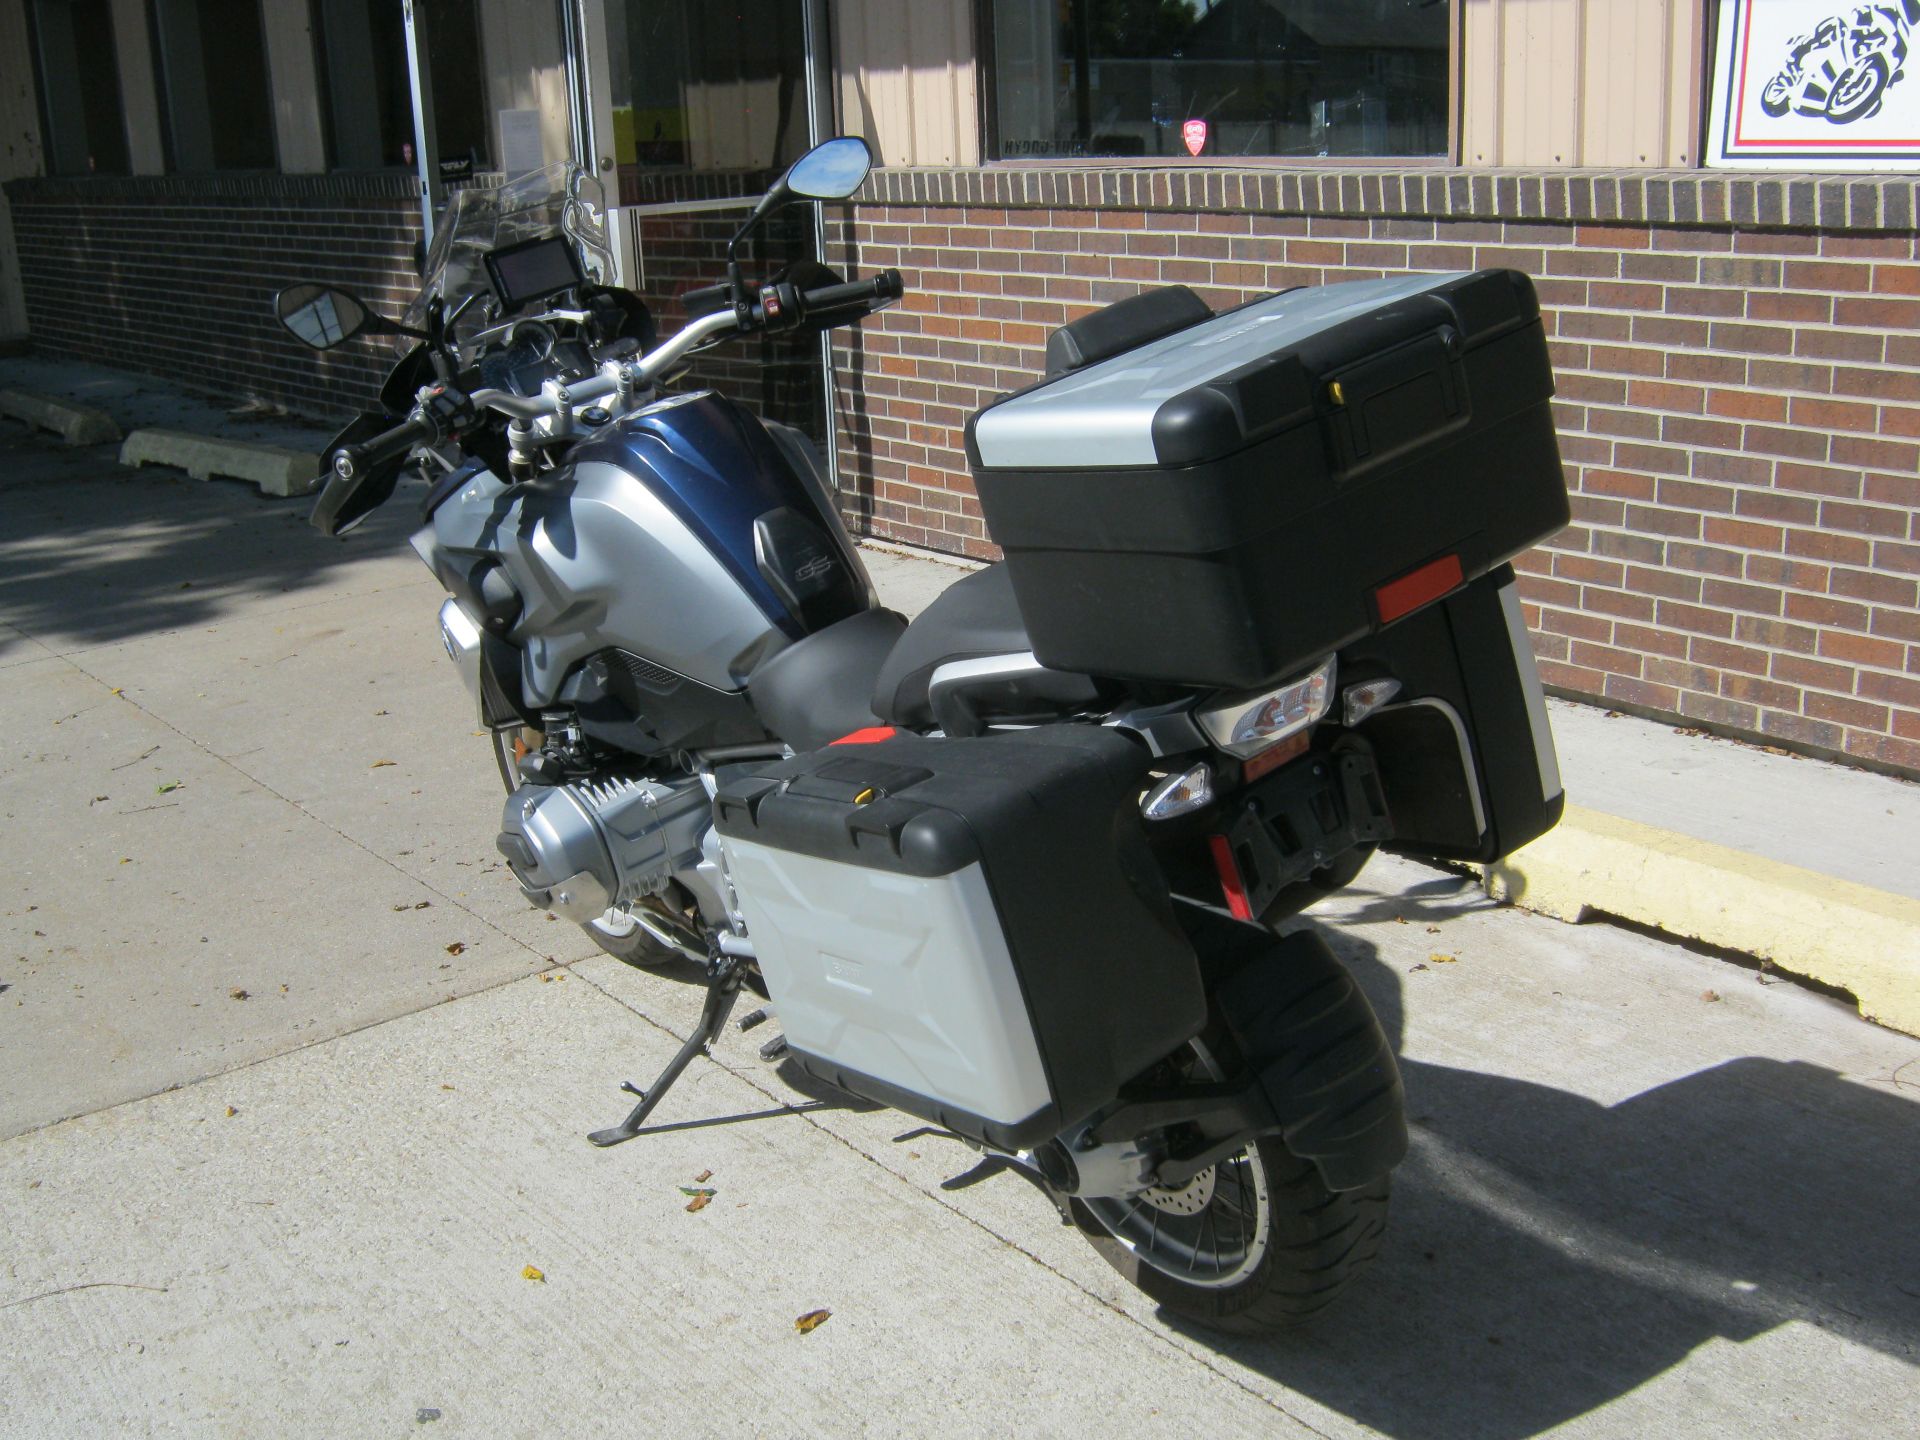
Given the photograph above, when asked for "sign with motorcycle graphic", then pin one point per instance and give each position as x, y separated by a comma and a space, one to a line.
1816, 85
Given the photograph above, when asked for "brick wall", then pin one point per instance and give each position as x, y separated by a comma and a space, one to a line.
176, 276
1739, 396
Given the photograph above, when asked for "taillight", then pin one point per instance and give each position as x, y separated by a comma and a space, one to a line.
1248, 724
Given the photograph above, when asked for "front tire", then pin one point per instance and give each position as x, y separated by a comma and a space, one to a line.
615, 932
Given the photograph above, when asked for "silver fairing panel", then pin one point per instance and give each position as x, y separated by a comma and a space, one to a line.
599, 561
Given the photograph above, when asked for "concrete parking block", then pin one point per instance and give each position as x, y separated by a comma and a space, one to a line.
74, 423
276, 471
1861, 940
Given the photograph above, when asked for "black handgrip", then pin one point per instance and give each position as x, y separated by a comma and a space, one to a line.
882, 289
384, 446
366, 480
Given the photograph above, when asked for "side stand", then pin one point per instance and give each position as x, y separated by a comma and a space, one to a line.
724, 976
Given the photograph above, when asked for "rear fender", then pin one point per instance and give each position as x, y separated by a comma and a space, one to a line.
1308, 1035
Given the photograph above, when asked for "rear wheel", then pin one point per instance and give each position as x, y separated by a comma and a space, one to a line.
616, 931
1255, 1242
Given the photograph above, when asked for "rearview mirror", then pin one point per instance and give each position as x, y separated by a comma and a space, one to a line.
321, 316
832, 170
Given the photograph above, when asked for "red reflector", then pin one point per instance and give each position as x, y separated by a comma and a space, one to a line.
1230, 881
872, 735
1418, 587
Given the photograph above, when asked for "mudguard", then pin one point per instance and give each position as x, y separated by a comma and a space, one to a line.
1307, 1033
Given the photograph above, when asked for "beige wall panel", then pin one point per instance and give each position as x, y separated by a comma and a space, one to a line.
906, 79
1612, 83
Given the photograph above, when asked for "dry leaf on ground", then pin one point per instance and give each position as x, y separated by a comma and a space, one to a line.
1709, 994
231, 1112
169, 787
378, 763
812, 1320
238, 994
531, 1272
703, 1177
1438, 959
456, 948
699, 1202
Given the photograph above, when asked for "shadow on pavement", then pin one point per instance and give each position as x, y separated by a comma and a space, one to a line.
1548, 1254
93, 552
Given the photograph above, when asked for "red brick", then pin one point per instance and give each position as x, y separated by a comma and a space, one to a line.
1889, 555
1875, 454
1818, 480
1799, 670
1824, 610
1896, 624
1792, 306
1735, 595
1718, 711
1743, 533
1707, 559
1606, 657
1664, 583
1877, 313
1863, 519
1775, 634
1746, 405
1901, 690
1613, 237
1791, 444
1862, 649
1650, 640
1832, 414
1794, 574
1900, 754
1770, 694
1694, 618
1828, 275
1629, 691
1801, 728
1619, 483
1842, 711
1874, 586
1617, 603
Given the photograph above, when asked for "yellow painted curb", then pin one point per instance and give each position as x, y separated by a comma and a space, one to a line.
1863, 940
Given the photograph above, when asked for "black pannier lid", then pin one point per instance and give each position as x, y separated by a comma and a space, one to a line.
1209, 389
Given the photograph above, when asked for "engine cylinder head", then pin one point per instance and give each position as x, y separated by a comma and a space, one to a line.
583, 848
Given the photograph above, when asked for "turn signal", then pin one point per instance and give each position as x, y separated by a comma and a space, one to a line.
1180, 794
1359, 701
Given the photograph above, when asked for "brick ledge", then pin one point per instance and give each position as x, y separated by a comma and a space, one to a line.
1642, 197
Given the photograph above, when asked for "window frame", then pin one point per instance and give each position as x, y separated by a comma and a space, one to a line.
987, 89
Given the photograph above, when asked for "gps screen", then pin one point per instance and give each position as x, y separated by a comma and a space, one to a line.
533, 270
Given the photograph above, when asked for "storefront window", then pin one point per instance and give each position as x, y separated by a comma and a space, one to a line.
367, 94
1219, 79
213, 71
80, 87
708, 87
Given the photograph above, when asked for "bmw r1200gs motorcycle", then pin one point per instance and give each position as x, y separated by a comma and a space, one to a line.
1011, 868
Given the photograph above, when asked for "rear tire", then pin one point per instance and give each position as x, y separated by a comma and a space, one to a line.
1256, 1243
1315, 1242
615, 932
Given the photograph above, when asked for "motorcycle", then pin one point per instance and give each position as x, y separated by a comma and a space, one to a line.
1015, 867
1841, 70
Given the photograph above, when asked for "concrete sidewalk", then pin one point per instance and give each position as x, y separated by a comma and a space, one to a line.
293, 1086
